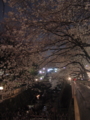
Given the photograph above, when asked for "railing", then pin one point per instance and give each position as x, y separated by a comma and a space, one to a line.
83, 96
76, 107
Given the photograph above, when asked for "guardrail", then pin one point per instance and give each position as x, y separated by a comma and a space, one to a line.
83, 97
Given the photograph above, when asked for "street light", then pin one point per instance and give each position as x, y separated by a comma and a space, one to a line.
36, 80
69, 78
1, 87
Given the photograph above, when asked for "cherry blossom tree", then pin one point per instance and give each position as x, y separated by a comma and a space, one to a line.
16, 56
57, 28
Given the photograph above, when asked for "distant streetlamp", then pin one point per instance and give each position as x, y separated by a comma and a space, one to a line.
69, 78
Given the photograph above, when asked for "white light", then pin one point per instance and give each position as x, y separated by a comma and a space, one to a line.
36, 79
43, 68
1, 87
38, 96
40, 71
69, 78
56, 69
49, 69
41, 78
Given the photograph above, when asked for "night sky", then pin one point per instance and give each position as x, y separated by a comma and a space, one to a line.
6, 9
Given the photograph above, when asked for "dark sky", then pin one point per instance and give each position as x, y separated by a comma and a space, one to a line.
1, 10
6, 9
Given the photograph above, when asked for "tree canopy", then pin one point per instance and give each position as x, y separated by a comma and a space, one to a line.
56, 31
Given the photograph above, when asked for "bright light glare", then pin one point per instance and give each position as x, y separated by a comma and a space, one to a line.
1, 87
49, 69
69, 78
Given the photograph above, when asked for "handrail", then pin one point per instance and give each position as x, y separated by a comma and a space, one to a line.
76, 107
